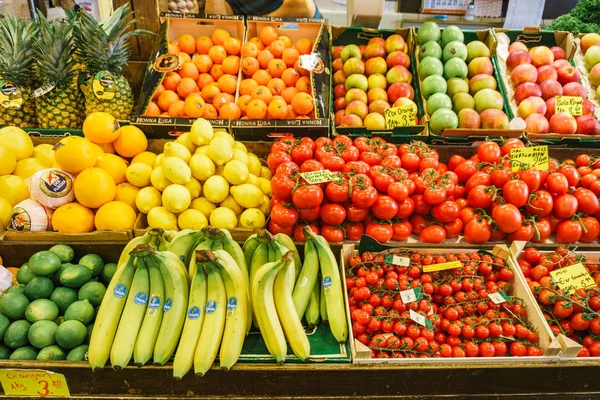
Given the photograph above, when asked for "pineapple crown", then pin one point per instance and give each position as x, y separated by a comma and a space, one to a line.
105, 45
16, 50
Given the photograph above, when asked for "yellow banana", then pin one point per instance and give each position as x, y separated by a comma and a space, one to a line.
323, 304
307, 279
205, 244
214, 321
312, 312
249, 247
149, 236
132, 317
260, 258
236, 252
288, 243
184, 243
109, 314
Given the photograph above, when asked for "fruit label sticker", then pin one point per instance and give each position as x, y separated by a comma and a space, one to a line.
327, 282
55, 183
231, 306
194, 312
569, 104
311, 62
168, 304
442, 266
10, 96
43, 90
498, 297
420, 319
84, 81
316, 177
104, 85
400, 116
140, 298
530, 157
211, 307
167, 63
397, 260
572, 278
33, 382
20, 220
153, 305
120, 290
411, 295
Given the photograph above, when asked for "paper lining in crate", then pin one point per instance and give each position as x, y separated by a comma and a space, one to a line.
551, 347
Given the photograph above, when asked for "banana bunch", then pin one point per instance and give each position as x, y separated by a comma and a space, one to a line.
155, 238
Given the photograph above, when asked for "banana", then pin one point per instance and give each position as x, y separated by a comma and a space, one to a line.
260, 258
184, 357
307, 279
133, 243
282, 293
249, 247
107, 318
214, 321
275, 251
163, 244
312, 312
183, 244
217, 245
174, 275
236, 252
288, 243
263, 304
132, 317
146, 340
238, 306
205, 244
323, 304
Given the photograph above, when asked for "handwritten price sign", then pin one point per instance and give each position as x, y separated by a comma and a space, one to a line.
33, 382
572, 278
530, 157
316, 177
569, 104
400, 116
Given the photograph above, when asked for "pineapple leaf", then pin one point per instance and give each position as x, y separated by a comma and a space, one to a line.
16, 50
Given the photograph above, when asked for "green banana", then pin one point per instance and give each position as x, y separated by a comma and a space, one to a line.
249, 247
109, 314
132, 317
307, 279
184, 243
312, 312
289, 244
323, 304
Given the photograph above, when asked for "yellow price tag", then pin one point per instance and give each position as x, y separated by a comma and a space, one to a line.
442, 266
569, 104
33, 382
572, 278
316, 177
400, 116
104, 85
530, 157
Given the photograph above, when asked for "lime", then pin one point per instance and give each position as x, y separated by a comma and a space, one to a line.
41, 334
44, 263
18, 288
56, 276
79, 353
41, 309
24, 274
89, 328
92, 291
59, 320
13, 305
70, 334
81, 311
108, 272
75, 276
63, 297
24, 353
64, 252
51, 353
39, 287
4, 352
16, 334
93, 262
4, 323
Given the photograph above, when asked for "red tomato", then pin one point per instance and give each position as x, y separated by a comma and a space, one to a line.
508, 217
342, 140
381, 232
301, 153
354, 230
322, 141
276, 158
540, 203
478, 178
364, 197
565, 206
285, 216
275, 229
385, 207
477, 230
287, 168
500, 176
332, 234
489, 152
570, 172
311, 166
401, 230
309, 196
357, 167
370, 158
587, 201
332, 214
592, 226
355, 213
418, 223
350, 153
337, 192
481, 196
299, 234
453, 228
465, 170
524, 233
406, 208
511, 143
454, 161
410, 161
557, 183
516, 192
282, 187
309, 214
392, 162
433, 234
447, 211
568, 231
434, 195
532, 177
398, 191
333, 163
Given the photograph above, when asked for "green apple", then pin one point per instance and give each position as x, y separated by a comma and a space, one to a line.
454, 49
457, 85
430, 66
486, 99
456, 68
350, 51
438, 101
429, 31
592, 57
433, 84
452, 33
443, 119
476, 49
357, 81
430, 49
461, 101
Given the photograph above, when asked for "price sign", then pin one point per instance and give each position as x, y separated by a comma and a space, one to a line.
400, 116
397, 260
411, 295
316, 177
442, 266
498, 297
420, 319
572, 278
530, 157
569, 104
33, 382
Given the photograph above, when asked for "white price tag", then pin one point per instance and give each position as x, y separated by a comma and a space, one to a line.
397, 260
418, 318
408, 296
498, 297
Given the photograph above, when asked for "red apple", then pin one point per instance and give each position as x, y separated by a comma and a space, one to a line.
536, 123
469, 119
563, 123
587, 108
550, 107
351, 120
400, 89
398, 74
338, 117
480, 82
558, 64
362, 48
374, 121
337, 64
339, 90
587, 125
525, 90
559, 53
376, 94
375, 65
480, 65
377, 80
595, 75
356, 94
550, 89
568, 74
357, 108
494, 119
353, 66
379, 106
545, 73
394, 43
517, 57
377, 40
588, 40
541, 55
574, 89
398, 58
515, 46
523, 73
531, 105
374, 50
337, 51
339, 77
403, 101
339, 104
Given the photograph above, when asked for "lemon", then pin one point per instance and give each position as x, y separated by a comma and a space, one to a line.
220, 151
176, 170
45, 153
127, 193
202, 167
201, 132
139, 174
16, 141
224, 134
265, 207
252, 218
145, 157
240, 146
265, 186
160, 217
254, 164
27, 167
203, 205
5, 213
176, 198
265, 172
223, 218
247, 195
14, 189
216, 189
186, 140
158, 160
235, 172
194, 187
148, 198
230, 202
219, 170
158, 180
8, 162
202, 150
178, 150
240, 156
192, 219
253, 180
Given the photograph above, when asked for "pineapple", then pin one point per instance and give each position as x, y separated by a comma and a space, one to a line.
104, 48
61, 107
17, 71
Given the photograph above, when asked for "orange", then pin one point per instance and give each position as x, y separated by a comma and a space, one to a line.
264, 56
256, 41
210, 91
231, 65
194, 106
187, 44
302, 103
268, 35
203, 44
290, 76
303, 85
276, 48
158, 91
184, 57
291, 114
262, 77
221, 99
262, 93
115, 216
276, 86
187, 86
167, 98
230, 111
247, 86
232, 46
189, 70
301, 71
227, 84
94, 187
171, 80
76, 155
165, 114
153, 110
290, 56
304, 46
73, 218
173, 48
249, 50
216, 71
217, 54
203, 63
243, 102
286, 40
100, 127
176, 109
278, 108
127, 193
288, 93
203, 80
114, 165
211, 111
249, 66
130, 142
276, 68
256, 109
107, 148
219, 36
